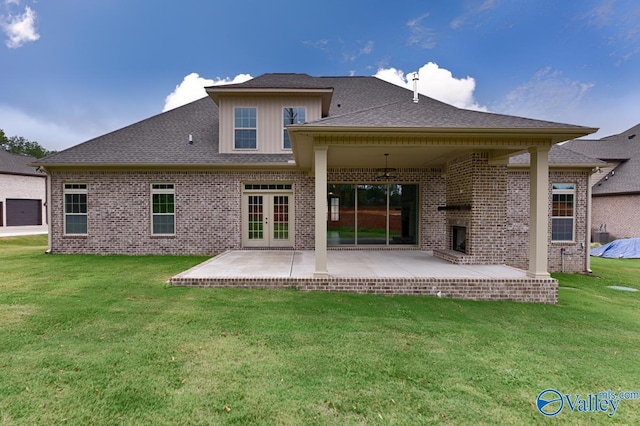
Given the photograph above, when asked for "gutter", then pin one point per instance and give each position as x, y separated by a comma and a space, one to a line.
140, 166
556, 134
587, 261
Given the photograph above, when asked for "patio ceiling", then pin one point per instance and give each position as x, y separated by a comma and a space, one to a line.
399, 156
408, 150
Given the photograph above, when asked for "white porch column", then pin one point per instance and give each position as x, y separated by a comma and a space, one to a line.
538, 212
587, 247
320, 167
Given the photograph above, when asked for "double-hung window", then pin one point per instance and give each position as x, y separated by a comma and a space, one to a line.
245, 135
75, 208
163, 217
563, 211
292, 115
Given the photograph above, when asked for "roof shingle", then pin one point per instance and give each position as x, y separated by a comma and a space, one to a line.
623, 148
356, 101
17, 164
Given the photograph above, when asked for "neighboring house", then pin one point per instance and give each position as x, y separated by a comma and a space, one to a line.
310, 163
616, 184
22, 191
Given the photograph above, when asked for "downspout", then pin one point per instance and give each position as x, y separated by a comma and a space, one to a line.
587, 245
48, 196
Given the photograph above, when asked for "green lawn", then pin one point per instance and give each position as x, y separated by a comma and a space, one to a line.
104, 340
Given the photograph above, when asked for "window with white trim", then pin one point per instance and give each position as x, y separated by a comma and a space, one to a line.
245, 133
75, 208
563, 211
291, 115
163, 215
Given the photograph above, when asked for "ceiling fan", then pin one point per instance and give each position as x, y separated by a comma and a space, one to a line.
386, 172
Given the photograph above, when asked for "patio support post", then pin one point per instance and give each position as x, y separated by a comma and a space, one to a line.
587, 243
538, 212
320, 167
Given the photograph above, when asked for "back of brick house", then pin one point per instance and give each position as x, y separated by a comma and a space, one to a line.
317, 163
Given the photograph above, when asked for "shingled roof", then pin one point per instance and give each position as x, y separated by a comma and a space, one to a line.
559, 157
353, 102
622, 149
13, 164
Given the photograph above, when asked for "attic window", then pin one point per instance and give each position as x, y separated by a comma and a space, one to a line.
291, 115
245, 135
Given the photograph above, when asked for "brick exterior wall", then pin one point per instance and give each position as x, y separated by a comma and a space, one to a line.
517, 229
620, 214
208, 210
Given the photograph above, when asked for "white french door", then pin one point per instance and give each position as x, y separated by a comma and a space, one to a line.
267, 220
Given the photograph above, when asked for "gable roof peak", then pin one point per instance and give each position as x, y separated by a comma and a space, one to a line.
281, 81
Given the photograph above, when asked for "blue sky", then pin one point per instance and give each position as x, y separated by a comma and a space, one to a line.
75, 69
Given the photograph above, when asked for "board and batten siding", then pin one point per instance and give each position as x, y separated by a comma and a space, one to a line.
268, 120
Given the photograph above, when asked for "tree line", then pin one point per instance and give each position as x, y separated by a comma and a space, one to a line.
23, 146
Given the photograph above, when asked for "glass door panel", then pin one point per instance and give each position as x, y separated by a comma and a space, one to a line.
280, 217
341, 227
403, 214
255, 219
372, 214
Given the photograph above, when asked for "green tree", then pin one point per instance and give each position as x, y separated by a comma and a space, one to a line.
23, 146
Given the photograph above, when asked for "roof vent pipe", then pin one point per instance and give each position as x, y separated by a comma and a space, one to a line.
415, 87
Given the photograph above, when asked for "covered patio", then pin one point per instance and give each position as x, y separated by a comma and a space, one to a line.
368, 271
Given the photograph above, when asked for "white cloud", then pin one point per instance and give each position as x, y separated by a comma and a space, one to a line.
192, 89
438, 83
20, 29
318, 44
547, 95
474, 14
617, 23
368, 48
421, 35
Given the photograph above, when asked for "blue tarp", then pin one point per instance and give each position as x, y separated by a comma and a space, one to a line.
628, 248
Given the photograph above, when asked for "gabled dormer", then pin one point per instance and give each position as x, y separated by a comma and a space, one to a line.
254, 115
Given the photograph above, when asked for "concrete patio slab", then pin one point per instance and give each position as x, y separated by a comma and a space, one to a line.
368, 271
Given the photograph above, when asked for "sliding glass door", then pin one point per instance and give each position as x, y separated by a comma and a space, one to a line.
372, 214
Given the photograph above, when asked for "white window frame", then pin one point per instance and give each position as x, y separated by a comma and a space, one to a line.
564, 188
284, 126
235, 128
75, 188
162, 188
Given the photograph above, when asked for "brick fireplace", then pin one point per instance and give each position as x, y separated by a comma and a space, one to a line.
459, 239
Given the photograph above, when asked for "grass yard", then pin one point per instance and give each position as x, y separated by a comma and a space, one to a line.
103, 340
